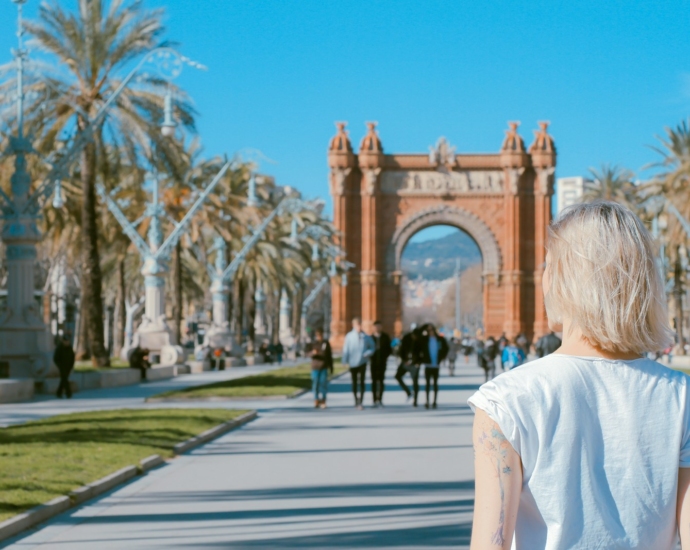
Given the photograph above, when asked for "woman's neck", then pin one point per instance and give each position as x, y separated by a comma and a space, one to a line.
574, 343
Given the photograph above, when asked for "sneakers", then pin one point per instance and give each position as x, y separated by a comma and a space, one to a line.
359, 408
317, 403
434, 406
426, 405
323, 404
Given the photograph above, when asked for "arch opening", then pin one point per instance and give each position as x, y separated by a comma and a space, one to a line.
430, 279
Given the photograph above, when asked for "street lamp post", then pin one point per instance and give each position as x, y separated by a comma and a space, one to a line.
219, 334
153, 332
25, 342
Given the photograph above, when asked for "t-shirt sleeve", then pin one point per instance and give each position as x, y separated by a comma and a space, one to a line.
489, 399
684, 461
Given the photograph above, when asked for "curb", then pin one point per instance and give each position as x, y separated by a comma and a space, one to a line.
39, 514
208, 435
84, 493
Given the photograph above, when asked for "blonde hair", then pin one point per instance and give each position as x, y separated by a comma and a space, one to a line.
604, 278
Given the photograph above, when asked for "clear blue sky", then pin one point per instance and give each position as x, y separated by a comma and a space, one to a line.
609, 75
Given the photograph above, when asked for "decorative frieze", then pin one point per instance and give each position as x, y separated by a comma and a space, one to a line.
420, 182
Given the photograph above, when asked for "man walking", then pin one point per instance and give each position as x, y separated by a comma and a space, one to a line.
409, 362
321, 366
357, 349
433, 349
382, 350
547, 344
64, 361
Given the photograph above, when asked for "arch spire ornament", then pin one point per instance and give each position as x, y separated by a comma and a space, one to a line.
543, 142
340, 143
371, 142
513, 142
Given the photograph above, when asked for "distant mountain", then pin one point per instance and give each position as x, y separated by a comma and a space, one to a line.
435, 259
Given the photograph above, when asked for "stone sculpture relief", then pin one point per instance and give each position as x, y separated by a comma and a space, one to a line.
423, 182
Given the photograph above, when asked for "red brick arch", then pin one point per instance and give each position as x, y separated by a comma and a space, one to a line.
502, 200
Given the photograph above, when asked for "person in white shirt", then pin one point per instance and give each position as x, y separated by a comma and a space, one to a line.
589, 447
357, 349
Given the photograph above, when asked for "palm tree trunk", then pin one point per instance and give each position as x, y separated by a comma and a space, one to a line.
251, 316
236, 325
122, 309
177, 293
297, 298
82, 345
91, 267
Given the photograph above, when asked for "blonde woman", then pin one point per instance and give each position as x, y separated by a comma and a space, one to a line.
589, 447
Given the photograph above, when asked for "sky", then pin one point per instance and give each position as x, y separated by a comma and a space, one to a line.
608, 75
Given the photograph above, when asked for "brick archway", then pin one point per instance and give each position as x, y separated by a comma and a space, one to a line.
503, 200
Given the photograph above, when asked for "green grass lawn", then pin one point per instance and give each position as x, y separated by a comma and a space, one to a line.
48, 458
274, 383
87, 366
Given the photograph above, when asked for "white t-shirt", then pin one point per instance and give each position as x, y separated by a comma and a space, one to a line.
601, 442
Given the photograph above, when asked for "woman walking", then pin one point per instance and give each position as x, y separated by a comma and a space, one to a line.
589, 447
321, 366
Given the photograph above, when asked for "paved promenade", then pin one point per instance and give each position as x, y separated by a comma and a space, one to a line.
123, 397
296, 477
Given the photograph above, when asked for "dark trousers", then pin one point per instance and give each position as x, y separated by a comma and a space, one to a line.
378, 375
414, 373
358, 374
64, 383
431, 374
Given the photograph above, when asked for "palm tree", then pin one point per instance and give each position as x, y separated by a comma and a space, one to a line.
91, 47
673, 180
612, 183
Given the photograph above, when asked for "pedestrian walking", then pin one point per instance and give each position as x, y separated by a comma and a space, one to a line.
321, 367
547, 344
467, 348
490, 353
409, 363
589, 447
513, 355
433, 349
479, 348
453, 346
379, 360
502, 343
357, 349
63, 357
278, 352
523, 343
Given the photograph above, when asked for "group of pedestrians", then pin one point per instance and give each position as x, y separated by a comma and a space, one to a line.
421, 347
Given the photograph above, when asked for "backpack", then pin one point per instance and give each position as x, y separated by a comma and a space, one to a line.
514, 359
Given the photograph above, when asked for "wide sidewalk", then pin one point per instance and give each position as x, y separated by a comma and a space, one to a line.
125, 396
298, 477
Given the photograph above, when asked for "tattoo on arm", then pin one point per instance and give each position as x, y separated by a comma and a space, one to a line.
495, 446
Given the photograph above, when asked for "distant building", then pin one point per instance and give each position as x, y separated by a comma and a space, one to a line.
569, 191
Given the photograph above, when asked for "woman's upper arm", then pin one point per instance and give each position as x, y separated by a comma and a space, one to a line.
498, 484
683, 507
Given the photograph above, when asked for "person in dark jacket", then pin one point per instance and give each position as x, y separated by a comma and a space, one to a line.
379, 359
547, 344
433, 349
321, 366
409, 362
490, 354
140, 360
64, 361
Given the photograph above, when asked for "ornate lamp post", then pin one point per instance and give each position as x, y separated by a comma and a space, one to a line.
25, 342
219, 334
153, 332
